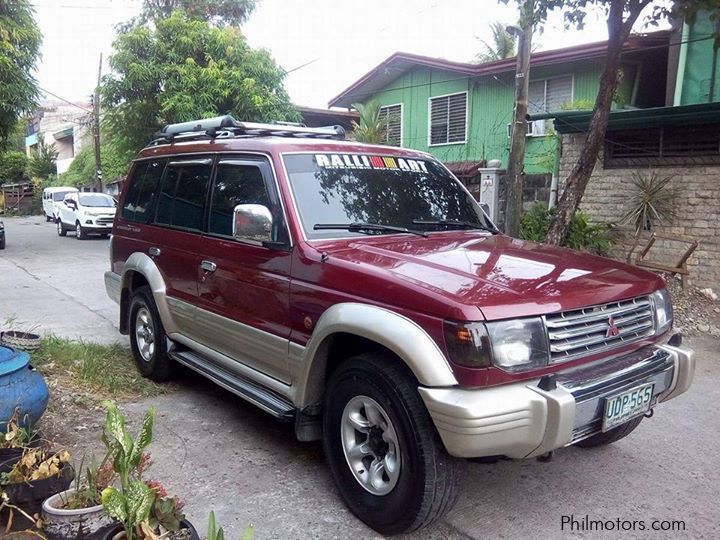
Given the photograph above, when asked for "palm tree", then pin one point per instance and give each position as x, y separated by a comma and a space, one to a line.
502, 46
372, 126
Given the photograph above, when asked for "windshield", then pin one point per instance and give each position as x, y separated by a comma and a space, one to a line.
59, 195
383, 190
96, 200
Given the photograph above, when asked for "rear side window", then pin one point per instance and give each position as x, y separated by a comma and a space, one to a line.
235, 184
141, 191
182, 195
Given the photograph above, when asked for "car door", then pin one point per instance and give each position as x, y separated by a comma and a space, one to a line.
244, 283
67, 209
174, 235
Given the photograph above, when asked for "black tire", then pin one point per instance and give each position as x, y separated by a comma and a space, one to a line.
157, 366
2, 243
47, 218
80, 233
609, 437
61, 230
428, 482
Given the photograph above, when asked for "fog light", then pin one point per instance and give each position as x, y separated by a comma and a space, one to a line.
88, 222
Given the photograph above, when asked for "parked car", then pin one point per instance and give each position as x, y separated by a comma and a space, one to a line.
86, 214
2, 235
52, 198
361, 292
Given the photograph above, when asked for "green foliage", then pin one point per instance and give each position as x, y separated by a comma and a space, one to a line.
502, 46
43, 162
219, 12
651, 200
12, 167
20, 40
372, 127
182, 69
214, 532
578, 105
583, 235
132, 503
115, 164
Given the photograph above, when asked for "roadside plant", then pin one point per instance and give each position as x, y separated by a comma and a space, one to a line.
584, 235
650, 202
132, 503
214, 532
35, 464
372, 126
88, 487
16, 436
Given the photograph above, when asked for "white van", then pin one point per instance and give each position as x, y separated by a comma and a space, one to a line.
52, 198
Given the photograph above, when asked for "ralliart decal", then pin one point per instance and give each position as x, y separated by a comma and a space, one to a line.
356, 161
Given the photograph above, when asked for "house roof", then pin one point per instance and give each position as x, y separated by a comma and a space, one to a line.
398, 63
314, 117
578, 121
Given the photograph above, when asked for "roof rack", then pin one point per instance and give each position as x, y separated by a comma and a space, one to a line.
226, 126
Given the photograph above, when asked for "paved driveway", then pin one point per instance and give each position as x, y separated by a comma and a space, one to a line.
224, 454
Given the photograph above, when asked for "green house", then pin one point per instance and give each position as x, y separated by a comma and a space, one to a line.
461, 112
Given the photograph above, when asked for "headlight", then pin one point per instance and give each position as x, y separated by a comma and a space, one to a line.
467, 344
513, 345
519, 344
663, 310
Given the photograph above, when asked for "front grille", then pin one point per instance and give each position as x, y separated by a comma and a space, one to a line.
105, 221
587, 331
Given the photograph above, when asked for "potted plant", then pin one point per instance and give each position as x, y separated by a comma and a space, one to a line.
16, 439
78, 512
37, 475
143, 509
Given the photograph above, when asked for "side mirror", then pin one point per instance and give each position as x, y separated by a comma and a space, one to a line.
252, 222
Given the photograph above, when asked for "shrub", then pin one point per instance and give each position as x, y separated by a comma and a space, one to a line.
584, 235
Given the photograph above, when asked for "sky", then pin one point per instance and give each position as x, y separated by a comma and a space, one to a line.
339, 40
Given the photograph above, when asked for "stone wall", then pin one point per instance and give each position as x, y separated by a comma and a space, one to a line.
697, 208
536, 188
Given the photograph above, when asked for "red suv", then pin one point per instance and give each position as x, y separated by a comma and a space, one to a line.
362, 293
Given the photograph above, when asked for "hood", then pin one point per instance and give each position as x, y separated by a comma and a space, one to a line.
476, 275
98, 211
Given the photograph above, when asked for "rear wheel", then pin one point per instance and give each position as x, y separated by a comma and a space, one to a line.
611, 436
384, 453
61, 228
147, 337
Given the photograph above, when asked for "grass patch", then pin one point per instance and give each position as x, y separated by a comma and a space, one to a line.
108, 370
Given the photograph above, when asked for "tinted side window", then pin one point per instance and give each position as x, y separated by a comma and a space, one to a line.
235, 184
182, 194
141, 191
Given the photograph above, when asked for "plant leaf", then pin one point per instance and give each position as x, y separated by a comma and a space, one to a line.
140, 499
144, 437
114, 504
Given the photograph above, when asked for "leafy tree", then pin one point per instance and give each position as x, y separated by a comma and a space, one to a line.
501, 47
182, 69
12, 167
81, 172
20, 40
42, 162
621, 16
372, 127
219, 12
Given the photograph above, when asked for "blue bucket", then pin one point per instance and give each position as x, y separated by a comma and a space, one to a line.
21, 386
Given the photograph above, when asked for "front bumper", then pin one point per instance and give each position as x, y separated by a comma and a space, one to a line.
113, 285
522, 420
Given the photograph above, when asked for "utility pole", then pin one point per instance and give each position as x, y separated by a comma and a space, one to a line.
518, 131
96, 130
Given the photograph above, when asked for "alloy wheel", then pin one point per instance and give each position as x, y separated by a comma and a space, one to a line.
145, 334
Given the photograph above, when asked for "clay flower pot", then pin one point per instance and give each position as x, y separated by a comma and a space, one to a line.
65, 524
24, 341
117, 532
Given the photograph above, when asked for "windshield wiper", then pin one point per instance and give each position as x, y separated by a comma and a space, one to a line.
455, 223
365, 228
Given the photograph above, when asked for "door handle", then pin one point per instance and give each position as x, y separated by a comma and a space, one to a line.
208, 266
154, 251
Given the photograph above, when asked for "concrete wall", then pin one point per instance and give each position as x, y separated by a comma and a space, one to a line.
697, 208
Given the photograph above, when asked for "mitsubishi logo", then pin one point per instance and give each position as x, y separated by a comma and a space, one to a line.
612, 330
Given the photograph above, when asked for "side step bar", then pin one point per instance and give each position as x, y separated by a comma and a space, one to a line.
267, 400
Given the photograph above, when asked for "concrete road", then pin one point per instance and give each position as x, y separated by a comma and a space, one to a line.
223, 454
55, 284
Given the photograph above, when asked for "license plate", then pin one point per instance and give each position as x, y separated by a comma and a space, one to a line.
621, 408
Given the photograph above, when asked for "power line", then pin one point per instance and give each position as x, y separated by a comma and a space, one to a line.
65, 100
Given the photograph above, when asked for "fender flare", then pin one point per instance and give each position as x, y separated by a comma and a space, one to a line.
145, 266
396, 332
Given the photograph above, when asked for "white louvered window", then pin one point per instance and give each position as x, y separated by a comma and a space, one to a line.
548, 95
448, 118
392, 115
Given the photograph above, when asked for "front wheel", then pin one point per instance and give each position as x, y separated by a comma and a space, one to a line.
384, 453
80, 233
147, 337
61, 230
